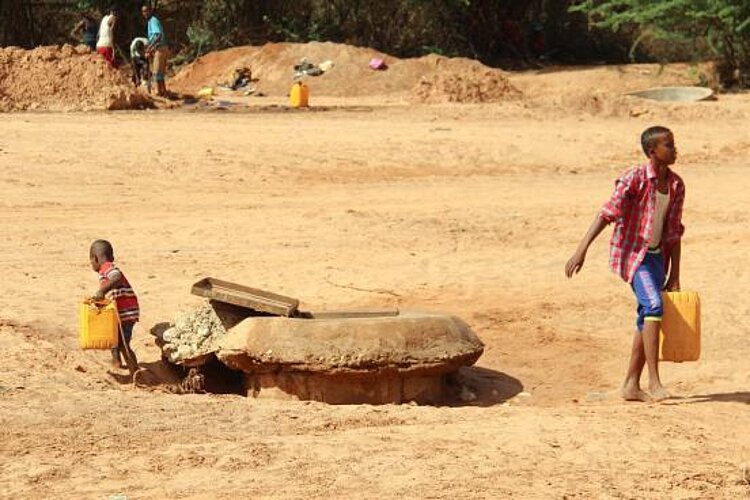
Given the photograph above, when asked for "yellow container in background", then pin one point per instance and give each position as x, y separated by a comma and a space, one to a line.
98, 324
205, 93
680, 336
299, 95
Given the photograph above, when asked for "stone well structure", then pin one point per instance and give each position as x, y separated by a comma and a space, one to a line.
345, 360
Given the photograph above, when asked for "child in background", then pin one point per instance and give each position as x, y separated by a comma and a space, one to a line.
141, 71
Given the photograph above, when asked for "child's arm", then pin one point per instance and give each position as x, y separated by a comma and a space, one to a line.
673, 240
77, 29
673, 283
614, 209
113, 278
575, 263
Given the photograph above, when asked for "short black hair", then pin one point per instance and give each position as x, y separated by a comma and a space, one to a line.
103, 248
649, 136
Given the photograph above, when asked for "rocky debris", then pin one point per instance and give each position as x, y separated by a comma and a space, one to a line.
193, 383
192, 334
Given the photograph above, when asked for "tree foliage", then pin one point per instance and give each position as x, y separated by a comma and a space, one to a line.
475, 28
723, 26
497, 32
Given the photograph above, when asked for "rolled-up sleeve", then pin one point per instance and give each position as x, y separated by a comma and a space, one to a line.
617, 205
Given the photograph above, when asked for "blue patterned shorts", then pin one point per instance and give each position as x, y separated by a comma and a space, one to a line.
647, 284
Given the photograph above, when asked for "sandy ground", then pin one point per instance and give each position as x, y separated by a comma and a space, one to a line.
471, 210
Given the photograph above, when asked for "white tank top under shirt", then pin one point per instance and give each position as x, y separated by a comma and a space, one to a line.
660, 214
105, 32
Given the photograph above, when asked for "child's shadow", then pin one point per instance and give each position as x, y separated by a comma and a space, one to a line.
727, 397
121, 378
148, 375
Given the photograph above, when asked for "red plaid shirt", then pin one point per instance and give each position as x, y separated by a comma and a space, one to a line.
632, 208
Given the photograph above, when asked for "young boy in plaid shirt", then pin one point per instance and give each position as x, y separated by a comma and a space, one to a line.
115, 286
646, 207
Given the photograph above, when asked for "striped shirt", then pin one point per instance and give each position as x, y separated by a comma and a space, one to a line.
122, 293
632, 208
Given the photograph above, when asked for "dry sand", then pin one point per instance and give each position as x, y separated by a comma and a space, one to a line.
471, 210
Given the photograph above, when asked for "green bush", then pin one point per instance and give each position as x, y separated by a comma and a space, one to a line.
201, 40
722, 25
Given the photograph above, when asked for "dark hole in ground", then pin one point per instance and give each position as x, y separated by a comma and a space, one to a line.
221, 380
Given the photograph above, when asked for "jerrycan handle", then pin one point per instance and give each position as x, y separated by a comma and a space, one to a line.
96, 303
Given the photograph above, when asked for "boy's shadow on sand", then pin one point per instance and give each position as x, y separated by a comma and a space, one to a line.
727, 397
150, 374
489, 387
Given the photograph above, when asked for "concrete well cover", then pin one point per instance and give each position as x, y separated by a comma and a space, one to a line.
675, 94
412, 342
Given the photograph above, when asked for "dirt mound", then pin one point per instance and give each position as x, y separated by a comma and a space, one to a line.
602, 90
426, 79
462, 80
63, 79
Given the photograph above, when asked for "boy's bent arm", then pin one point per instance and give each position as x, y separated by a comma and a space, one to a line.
77, 29
113, 278
673, 283
673, 240
611, 211
575, 263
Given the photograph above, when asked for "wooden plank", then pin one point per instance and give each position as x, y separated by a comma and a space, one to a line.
356, 313
245, 296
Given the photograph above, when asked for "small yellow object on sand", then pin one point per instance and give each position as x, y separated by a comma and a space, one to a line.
205, 93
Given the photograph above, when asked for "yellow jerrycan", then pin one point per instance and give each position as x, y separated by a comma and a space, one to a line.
98, 324
299, 95
680, 336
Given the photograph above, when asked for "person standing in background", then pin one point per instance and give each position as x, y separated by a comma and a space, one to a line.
156, 49
105, 43
86, 30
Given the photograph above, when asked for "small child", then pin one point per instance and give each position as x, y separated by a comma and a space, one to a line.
139, 61
646, 207
114, 286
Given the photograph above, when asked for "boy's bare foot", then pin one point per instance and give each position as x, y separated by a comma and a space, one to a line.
635, 394
117, 364
659, 393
